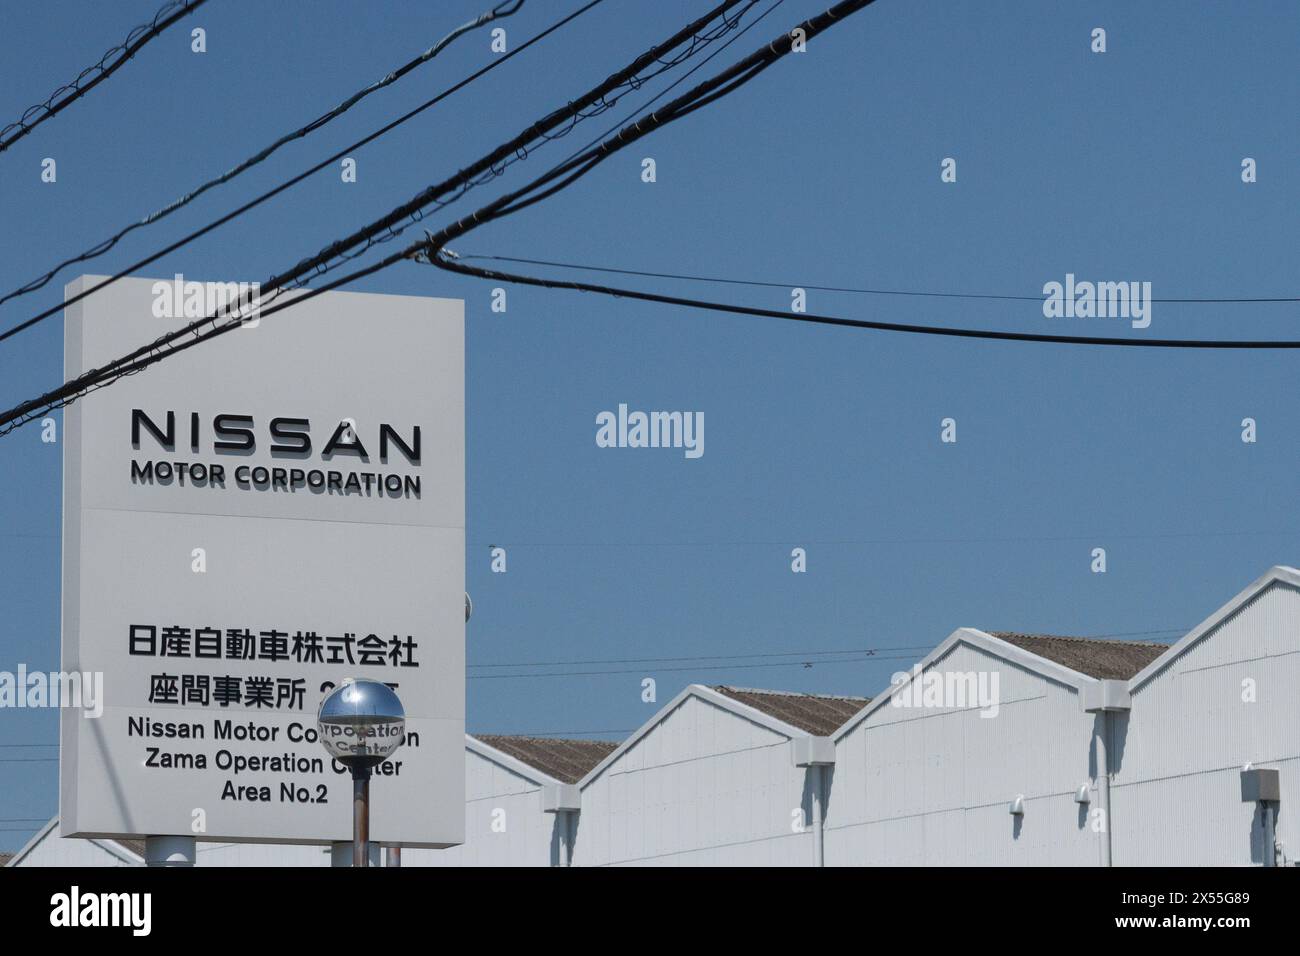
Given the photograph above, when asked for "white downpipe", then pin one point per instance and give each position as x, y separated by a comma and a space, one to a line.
819, 816
1103, 785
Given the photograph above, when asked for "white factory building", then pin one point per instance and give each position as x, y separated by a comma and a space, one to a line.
709, 781
996, 749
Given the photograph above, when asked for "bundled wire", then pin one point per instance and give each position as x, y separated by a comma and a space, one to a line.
108, 64
384, 229
607, 102
505, 9
293, 181
191, 335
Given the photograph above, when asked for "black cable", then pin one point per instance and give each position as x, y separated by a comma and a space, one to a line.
148, 354
707, 92
272, 193
708, 657
539, 129
168, 14
747, 68
455, 266
503, 9
826, 288
432, 250
805, 665
677, 82
606, 102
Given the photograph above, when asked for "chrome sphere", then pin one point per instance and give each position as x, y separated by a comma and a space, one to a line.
361, 722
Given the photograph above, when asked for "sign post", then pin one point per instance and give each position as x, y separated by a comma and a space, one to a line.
361, 724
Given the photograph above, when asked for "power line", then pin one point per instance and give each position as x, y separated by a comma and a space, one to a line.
165, 17
845, 542
707, 657
434, 252
829, 288
813, 318
573, 169
869, 651
148, 354
606, 102
804, 664
502, 154
677, 82
841, 542
504, 9
293, 181
702, 95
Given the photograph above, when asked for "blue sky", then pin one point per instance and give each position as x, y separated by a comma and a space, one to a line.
824, 171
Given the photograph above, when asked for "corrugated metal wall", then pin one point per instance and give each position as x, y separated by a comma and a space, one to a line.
1176, 791
494, 798
705, 787
930, 786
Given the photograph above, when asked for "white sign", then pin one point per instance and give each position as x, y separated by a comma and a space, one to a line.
245, 524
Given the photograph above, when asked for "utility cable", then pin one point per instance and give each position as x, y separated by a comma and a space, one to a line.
287, 184
108, 64
150, 353
451, 265
606, 102
707, 92
828, 288
505, 9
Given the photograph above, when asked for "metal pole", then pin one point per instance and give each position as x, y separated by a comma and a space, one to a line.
394, 856
169, 851
361, 817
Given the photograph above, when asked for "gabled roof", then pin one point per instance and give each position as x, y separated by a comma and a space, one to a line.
1278, 575
564, 760
819, 714
756, 706
999, 646
1096, 657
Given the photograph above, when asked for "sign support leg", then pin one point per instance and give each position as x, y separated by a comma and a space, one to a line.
361, 817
